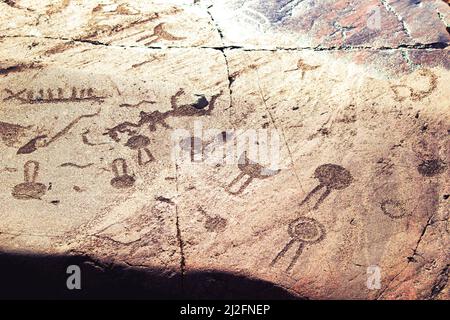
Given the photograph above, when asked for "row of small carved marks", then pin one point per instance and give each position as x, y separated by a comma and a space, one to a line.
59, 95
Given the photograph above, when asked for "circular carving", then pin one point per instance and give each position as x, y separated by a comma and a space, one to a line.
393, 209
333, 176
306, 230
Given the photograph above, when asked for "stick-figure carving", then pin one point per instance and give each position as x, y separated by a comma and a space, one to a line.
252, 170
29, 189
140, 143
305, 231
331, 176
121, 180
159, 33
303, 67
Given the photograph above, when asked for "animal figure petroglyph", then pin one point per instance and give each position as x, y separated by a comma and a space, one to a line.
250, 169
156, 117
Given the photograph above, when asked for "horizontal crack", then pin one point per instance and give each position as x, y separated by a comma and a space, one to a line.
416, 46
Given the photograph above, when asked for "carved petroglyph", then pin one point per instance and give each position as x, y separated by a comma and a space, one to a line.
250, 169
252, 17
122, 179
121, 9
330, 176
153, 118
403, 92
304, 231
41, 140
19, 68
30, 189
159, 33
86, 141
213, 223
431, 168
140, 143
75, 165
304, 67
127, 105
43, 96
393, 209
11, 133
193, 145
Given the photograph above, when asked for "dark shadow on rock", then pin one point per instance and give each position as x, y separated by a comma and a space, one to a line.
45, 276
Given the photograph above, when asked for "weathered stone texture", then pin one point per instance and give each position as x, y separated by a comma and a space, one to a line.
357, 91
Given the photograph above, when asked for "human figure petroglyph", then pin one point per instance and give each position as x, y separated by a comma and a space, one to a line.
51, 96
250, 169
330, 176
304, 231
140, 143
153, 118
121, 180
29, 189
42, 141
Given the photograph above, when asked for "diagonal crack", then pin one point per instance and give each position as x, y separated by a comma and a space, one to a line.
422, 234
411, 259
440, 282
